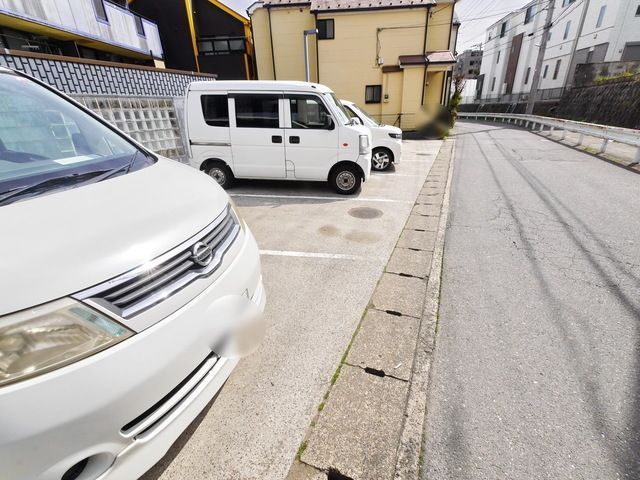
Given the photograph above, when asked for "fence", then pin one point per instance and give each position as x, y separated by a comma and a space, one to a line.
627, 136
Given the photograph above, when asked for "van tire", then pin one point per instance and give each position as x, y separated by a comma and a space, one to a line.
381, 159
221, 174
345, 179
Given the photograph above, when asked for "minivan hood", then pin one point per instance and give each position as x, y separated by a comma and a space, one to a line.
58, 244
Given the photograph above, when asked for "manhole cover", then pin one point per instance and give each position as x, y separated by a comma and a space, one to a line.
365, 212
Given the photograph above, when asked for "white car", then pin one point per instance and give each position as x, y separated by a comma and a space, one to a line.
275, 130
386, 139
130, 288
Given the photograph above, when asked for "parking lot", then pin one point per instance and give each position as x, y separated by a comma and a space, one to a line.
322, 255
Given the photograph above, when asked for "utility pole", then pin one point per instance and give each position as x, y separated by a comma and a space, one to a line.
535, 83
568, 81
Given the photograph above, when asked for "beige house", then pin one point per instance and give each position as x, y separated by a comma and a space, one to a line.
393, 57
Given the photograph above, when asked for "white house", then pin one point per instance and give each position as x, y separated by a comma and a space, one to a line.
610, 32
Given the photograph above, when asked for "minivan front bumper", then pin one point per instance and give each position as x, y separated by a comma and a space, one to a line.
117, 412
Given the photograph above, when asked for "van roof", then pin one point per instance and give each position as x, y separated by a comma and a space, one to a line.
245, 85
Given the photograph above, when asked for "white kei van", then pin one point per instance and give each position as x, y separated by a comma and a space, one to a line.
129, 289
386, 146
275, 130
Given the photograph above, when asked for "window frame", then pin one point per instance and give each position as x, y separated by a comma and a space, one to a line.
601, 14
493, 84
545, 71
137, 20
213, 51
556, 69
295, 96
529, 14
203, 98
104, 9
324, 35
277, 96
567, 30
376, 89
503, 29
527, 75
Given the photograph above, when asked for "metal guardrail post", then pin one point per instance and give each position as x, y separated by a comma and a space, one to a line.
581, 139
605, 143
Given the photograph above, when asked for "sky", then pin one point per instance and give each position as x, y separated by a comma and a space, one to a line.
475, 16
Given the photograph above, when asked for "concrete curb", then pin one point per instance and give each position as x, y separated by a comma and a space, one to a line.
370, 422
409, 458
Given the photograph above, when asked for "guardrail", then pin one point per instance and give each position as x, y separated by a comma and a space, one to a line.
627, 136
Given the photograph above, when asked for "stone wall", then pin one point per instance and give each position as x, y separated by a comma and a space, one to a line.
615, 102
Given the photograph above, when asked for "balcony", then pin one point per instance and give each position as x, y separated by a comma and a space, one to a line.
98, 24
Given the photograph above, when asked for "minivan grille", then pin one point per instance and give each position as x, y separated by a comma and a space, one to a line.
147, 285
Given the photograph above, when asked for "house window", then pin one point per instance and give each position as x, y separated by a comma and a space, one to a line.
498, 59
526, 77
638, 11
373, 94
139, 25
503, 29
221, 45
308, 111
567, 28
567, 2
603, 9
471, 71
528, 16
256, 111
325, 29
493, 84
101, 12
215, 109
544, 73
556, 70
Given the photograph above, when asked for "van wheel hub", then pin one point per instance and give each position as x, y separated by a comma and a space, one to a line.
346, 180
218, 175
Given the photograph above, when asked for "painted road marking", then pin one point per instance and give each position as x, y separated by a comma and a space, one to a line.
311, 197
288, 253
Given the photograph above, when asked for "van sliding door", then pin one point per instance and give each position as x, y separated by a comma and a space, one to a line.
257, 136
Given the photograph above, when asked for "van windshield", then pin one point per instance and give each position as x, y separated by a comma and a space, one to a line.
342, 113
47, 143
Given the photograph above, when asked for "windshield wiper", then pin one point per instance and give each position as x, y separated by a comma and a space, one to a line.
64, 180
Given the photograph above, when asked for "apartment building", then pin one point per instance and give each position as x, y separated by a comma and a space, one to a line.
468, 64
90, 29
206, 36
583, 31
395, 58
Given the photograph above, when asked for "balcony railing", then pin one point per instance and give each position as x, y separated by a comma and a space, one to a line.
92, 20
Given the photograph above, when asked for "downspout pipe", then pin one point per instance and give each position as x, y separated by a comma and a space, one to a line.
424, 51
273, 56
312, 31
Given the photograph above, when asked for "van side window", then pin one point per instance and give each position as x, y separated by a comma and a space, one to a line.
256, 111
308, 111
215, 109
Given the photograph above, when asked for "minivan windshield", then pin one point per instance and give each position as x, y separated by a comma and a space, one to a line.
362, 114
343, 115
48, 143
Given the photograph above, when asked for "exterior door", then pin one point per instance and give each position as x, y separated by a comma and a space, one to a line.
311, 137
257, 136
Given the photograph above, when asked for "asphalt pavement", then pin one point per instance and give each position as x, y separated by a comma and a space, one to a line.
536, 371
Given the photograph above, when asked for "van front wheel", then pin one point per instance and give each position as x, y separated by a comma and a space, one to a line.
221, 174
345, 180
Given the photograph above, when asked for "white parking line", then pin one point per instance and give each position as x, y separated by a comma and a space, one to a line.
381, 175
288, 253
311, 197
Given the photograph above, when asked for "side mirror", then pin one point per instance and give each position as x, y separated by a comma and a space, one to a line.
355, 121
328, 123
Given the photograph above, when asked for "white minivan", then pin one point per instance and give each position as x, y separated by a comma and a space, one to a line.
386, 143
275, 130
129, 289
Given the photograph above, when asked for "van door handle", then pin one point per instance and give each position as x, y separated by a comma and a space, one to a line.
294, 139
276, 139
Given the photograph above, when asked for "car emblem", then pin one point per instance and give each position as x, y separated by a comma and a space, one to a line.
201, 254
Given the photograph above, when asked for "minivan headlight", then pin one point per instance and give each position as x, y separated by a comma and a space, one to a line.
53, 335
397, 136
364, 144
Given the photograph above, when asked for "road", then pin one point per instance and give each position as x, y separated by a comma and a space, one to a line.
536, 368
322, 256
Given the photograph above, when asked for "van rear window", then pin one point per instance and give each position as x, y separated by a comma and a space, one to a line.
215, 109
